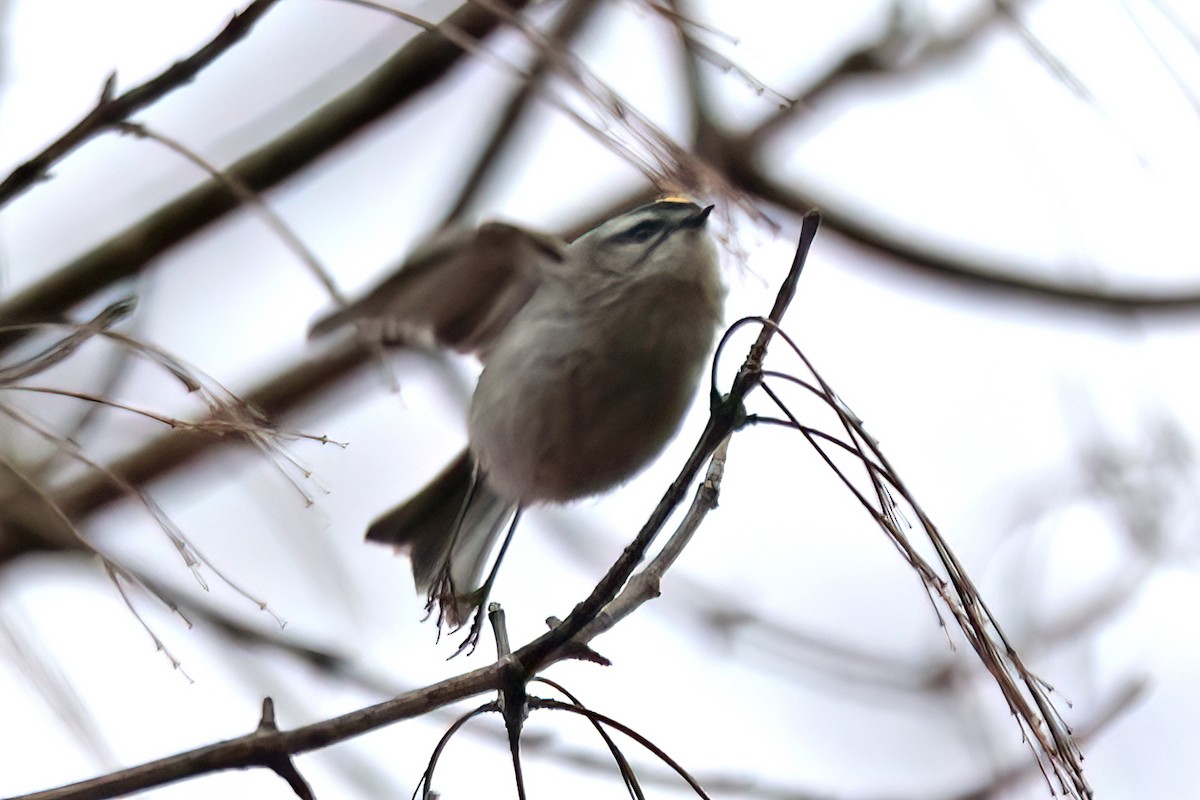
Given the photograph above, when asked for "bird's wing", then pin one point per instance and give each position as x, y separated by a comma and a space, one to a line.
463, 287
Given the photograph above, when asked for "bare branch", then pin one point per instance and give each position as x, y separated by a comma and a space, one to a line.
249, 198
984, 274
111, 109
727, 414
574, 19
88, 493
263, 747
424, 60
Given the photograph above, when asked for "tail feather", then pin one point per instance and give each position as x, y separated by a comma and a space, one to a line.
425, 525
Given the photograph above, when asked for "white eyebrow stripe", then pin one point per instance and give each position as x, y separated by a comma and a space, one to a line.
653, 214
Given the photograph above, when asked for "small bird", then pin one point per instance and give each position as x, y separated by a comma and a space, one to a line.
591, 351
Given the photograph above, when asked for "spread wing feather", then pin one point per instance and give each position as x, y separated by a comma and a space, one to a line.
462, 288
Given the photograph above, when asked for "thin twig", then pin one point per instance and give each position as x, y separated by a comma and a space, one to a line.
726, 415
420, 63
644, 585
249, 198
264, 749
110, 110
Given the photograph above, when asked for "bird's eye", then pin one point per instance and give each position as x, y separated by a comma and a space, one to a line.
641, 232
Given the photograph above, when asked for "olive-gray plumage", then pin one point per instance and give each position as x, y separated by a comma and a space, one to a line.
592, 353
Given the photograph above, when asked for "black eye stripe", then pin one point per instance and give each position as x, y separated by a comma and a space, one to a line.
640, 232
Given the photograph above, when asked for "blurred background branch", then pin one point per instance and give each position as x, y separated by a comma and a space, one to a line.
1032, 384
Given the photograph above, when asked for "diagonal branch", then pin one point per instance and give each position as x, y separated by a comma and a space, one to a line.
1055, 749
976, 273
574, 19
27, 528
423, 61
264, 748
111, 110
727, 415
268, 747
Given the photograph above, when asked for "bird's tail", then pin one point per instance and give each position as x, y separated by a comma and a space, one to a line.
447, 563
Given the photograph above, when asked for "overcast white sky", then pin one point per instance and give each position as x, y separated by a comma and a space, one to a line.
980, 401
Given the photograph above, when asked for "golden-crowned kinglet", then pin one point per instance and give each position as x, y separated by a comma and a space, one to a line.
592, 352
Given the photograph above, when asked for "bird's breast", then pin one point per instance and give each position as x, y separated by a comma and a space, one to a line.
576, 399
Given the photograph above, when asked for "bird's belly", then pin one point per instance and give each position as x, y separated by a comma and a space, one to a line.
556, 422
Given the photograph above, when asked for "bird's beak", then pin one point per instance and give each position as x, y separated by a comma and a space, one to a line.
698, 219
